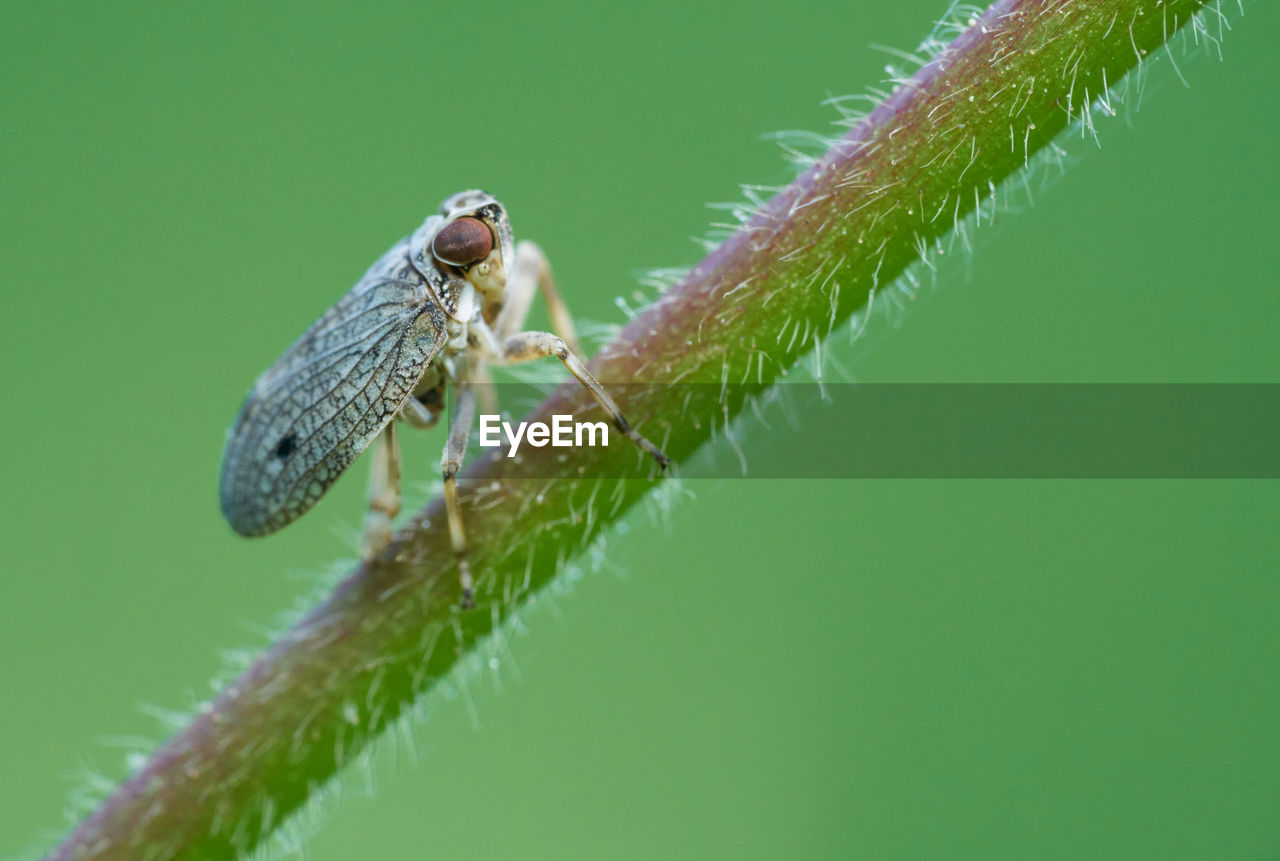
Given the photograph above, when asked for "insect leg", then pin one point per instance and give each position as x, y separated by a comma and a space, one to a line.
526, 346
532, 271
384, 491
486, 391
418, 415
455, 450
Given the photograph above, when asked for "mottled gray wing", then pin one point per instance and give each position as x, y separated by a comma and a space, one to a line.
321, 404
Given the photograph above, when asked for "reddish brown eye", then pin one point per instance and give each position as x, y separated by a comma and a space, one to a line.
463, 242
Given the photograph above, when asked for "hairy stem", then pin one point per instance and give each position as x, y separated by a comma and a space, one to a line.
904, 176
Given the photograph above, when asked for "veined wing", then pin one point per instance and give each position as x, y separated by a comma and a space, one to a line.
321, 404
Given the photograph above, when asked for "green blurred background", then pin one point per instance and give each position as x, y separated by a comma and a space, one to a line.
869, 669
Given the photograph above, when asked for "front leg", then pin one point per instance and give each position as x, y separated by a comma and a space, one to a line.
506, 344
455, 450
526, 346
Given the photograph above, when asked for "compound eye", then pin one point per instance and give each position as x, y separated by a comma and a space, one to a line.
463, 242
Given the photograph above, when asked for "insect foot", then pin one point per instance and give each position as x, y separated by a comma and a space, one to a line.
624, 428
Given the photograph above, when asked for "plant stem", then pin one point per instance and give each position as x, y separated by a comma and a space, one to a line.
903, 177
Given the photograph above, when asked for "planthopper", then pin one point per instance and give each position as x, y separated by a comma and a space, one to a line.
435, 311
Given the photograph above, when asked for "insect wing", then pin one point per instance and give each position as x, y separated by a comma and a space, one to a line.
321, 404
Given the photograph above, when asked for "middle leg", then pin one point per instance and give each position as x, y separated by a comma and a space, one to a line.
532, 272
384, 491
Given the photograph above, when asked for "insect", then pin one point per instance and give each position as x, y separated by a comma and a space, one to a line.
435, 310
